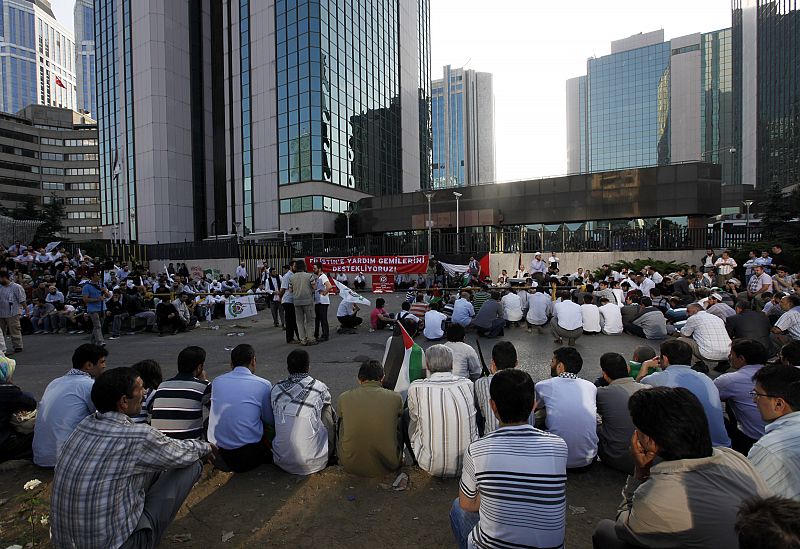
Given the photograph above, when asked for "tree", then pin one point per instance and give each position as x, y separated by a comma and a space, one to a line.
776, 213
52, 215
26, 209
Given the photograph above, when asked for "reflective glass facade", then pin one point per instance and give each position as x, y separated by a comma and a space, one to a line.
447, 116
338, 93
629, 108
717, 105
247, 145
129, 164
105, 18
314, 204
425, 120
17, 55
85, 56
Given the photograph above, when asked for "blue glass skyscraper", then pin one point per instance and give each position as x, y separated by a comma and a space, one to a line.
85, 56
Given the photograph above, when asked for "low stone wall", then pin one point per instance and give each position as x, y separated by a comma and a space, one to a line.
570, 261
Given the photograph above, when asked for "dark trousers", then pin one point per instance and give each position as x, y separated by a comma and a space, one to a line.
350, 321
496, 329
605, 537
739, 441
277, 310
321, 320
16, 446
633, 329
247, 457
291, 322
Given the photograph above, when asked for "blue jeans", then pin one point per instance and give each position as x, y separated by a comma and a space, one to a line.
462, 522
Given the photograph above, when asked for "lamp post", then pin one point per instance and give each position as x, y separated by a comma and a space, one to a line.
348, 212
747, 204
458, 244
429, 196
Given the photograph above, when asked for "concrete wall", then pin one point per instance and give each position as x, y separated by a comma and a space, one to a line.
570, 261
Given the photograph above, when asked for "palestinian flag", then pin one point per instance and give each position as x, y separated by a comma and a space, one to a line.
403, 362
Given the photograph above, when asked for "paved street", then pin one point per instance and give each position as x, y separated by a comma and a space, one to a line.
335, 362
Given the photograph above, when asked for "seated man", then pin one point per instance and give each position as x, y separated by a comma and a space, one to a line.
463, 310
379, 318
776, 455
241, 413
116, 313
168, 319
743, 422
590, 314
179, 407
489, 321
540, 307
567, 320
347, 315
439, 440
465, 359
610, 317
434, 322
504, 356
649, 323
769, 523
66, 401
512, 307
118, 483
748, 324
787, 327
640, 355
41, 316
690, 498
305, 422
513, 486
614, 433
15, 442
715, 306
706, 335
674, 361
369, 439
570, 407
790, 354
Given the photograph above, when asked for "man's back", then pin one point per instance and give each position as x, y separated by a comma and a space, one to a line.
177, 406
439, 440
519, 472
489, 311
653, 322
568, 314
750, 325
300, 446
368, 439
240, 406
612, 319
710, 334
465, 359
539, 307
463, 311
66, 401
703, 388
590, 315
617, 427
571, 414
482, 397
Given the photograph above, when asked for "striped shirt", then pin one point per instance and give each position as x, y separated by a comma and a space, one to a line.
479, 299
777, 456
11, 299
180, 406
441, 411
520, 474
482, 398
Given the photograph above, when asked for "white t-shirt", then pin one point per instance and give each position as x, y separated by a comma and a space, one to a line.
512, 308
465, 359
591, 317
646, 286
433, 324
568, 314
345, 309
288, 296
610, 319
322, 280
571, 414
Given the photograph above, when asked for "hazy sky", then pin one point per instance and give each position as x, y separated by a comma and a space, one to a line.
532, 47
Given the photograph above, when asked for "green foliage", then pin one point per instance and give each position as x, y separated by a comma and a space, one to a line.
52, 215
776, 212
663, 267
26, 210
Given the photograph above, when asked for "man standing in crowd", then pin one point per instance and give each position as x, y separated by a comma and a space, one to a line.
568, 403
94, 297
241, 411
369, 438
321, 303
66, 401
305, 423
744, 423
567, 320
301, 288
118, 483
705, 334
287, 302
500, 501
675, 360
439, 439
614, 433
12, 302
504, 356
179, 405
776, 455
691, 497
725, 266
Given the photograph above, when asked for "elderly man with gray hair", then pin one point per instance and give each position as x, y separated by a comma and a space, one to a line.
440, 440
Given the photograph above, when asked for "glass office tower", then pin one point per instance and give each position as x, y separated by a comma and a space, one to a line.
85, 70
718, 141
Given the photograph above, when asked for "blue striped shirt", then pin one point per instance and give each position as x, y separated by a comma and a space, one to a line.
777, 456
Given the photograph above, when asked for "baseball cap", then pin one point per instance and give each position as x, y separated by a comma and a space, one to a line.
716, 296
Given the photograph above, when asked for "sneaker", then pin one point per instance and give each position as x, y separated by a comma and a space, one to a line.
112, 338
371, 330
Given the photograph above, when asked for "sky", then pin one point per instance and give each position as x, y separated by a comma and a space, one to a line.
532, 47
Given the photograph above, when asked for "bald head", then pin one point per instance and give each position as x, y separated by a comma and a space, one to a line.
693, 308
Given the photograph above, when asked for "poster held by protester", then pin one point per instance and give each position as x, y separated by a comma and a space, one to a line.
240, 307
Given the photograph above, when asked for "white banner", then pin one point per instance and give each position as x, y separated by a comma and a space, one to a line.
240, 307
454, 270
349, 295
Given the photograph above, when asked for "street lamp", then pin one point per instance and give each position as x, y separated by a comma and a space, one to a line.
457, 195
429, 196
747, 204
348, 212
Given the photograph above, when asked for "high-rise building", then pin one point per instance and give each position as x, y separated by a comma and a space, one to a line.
766, 46
462, 119
654, 102
50, 154
85, 56
37, 57
257, 117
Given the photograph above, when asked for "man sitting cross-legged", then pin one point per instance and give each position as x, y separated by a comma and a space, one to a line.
513, 486
179, 405
504, 356
691, 497
117, 483
369, 438
305, 422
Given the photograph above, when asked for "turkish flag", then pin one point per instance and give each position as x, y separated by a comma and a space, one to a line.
60, 83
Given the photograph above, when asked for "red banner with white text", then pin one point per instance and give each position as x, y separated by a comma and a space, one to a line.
382, 284
374, 264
